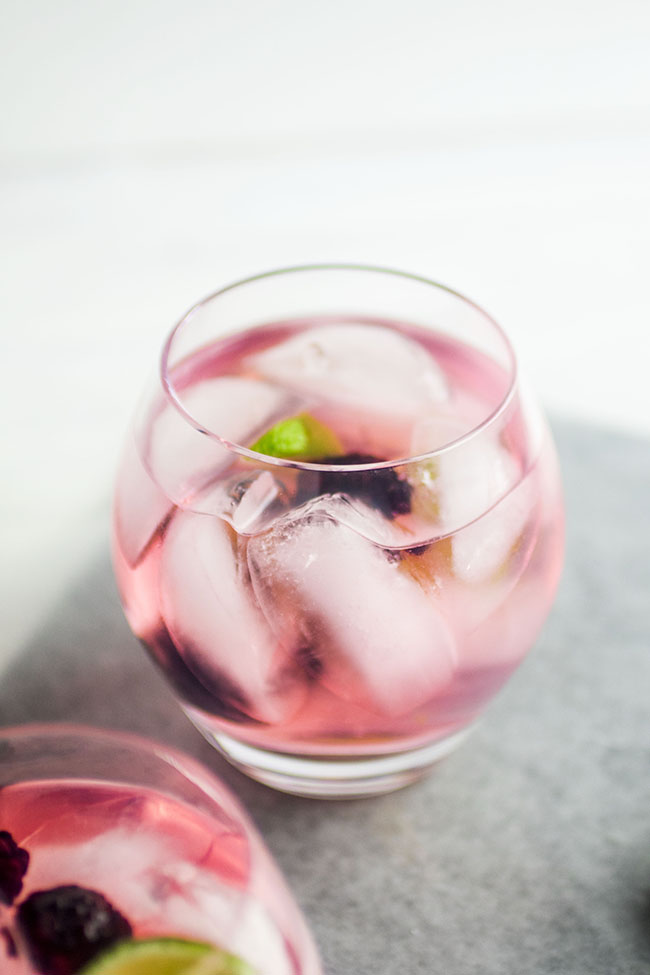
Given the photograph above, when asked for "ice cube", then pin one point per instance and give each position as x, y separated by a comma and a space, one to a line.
66, 815
375, 638
483, 550
249, 501
190, 900
379, 380
505, 637
258, 940
220, 632
86, 861
353, 513
254, 502
158, 882
435, 431
472, 478
473, 573
183, 458
460, 487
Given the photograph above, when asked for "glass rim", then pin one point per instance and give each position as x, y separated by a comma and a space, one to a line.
179, 760
176, 402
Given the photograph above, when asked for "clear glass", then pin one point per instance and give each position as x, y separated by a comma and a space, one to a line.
161, 838
336, 622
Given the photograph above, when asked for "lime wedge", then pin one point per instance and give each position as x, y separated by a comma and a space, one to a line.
299, 438
166, 956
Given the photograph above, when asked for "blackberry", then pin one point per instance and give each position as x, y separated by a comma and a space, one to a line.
382, 488
13, 866
65, 927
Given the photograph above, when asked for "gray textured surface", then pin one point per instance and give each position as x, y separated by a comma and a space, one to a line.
526, 851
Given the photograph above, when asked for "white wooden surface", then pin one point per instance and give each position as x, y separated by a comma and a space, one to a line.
153, 151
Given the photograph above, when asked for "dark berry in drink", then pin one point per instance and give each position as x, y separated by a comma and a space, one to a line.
65, 927
13, 866
382, 488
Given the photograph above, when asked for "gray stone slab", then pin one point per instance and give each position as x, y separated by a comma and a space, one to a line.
528, 850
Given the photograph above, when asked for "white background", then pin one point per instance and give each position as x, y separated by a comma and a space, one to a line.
154, 151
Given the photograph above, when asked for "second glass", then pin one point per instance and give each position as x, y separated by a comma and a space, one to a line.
338, 523
121, 855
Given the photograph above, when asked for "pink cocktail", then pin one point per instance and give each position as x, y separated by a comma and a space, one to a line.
111, 843
338, 524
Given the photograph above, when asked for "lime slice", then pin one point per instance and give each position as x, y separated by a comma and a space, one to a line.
299, 438
166, 956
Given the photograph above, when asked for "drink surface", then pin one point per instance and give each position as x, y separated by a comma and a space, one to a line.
167, 868
338, 612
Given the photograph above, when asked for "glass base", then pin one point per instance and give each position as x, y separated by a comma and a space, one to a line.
328, 777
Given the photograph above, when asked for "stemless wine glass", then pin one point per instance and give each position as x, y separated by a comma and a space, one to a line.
111, 845
338, 523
